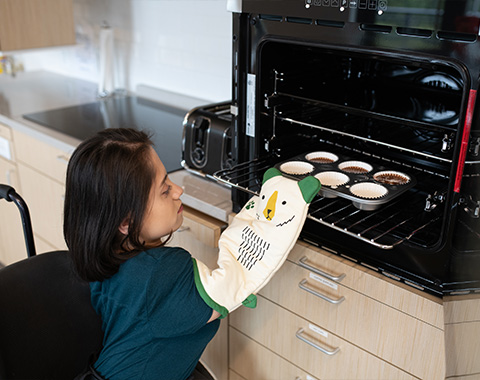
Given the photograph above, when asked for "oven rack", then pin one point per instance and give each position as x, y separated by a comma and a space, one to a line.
385, 228
388, 132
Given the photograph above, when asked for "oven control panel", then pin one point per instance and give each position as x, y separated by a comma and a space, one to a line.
429, 14
379, 6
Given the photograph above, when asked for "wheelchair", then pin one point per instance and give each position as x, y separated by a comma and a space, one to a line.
48, 327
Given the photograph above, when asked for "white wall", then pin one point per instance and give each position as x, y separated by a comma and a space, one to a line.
182, 46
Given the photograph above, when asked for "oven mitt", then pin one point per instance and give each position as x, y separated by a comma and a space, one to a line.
256, 243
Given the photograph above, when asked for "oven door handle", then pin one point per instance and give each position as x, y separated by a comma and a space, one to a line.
324, 350
320, 295
302, 263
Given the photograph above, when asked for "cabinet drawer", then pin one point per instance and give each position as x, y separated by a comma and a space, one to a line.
234, 376
463, 348
199, 235
460, 309
12, 242
300, 342
396, 337
205, 228
252, 361
6, 149
41, 156
45, 199
390, 292
43, 246
5, 132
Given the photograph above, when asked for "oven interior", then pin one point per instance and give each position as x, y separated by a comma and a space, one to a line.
404, 115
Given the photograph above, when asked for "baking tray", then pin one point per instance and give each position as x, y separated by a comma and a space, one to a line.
367, 184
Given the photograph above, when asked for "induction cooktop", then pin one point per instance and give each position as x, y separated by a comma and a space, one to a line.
164, 123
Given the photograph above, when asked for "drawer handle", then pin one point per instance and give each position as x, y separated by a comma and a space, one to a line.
62, 159
302, 263
323, 297
324, 350
183, 229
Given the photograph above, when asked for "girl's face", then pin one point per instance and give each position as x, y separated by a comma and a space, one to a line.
164, 212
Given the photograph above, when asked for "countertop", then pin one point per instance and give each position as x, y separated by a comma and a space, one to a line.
39, 91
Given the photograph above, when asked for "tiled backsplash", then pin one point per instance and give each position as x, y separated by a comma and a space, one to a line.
182, 46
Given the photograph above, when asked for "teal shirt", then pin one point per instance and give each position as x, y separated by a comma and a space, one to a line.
154, 320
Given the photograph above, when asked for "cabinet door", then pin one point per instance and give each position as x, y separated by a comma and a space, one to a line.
12, 242
27, 24
199, 235
44, 197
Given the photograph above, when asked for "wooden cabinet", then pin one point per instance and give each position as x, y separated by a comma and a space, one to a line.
199, 235
28, 24
361, 316
335, 320
42, 170
12, 243
309, 347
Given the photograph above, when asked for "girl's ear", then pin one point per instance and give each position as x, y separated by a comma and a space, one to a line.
123, 228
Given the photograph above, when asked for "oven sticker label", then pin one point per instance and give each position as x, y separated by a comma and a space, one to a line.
318, 330
5, 148
323, 281
251, 87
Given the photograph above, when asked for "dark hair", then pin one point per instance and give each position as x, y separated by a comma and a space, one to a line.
109, 178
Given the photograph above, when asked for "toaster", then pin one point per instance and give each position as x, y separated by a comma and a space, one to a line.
207, 139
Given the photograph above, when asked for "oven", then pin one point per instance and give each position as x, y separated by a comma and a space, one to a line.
386, 88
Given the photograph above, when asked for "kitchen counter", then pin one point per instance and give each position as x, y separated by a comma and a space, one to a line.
31, 92
41, 91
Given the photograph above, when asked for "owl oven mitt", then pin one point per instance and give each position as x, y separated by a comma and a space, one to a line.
256, 243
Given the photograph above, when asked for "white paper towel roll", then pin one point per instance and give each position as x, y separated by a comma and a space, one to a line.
105, 83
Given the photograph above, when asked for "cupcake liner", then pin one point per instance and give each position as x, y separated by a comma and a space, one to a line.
332, 179
322, 157
296, 167
391, 177
368, 190
355, 167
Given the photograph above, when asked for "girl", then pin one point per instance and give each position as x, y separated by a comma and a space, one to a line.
120, 209
159, 307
